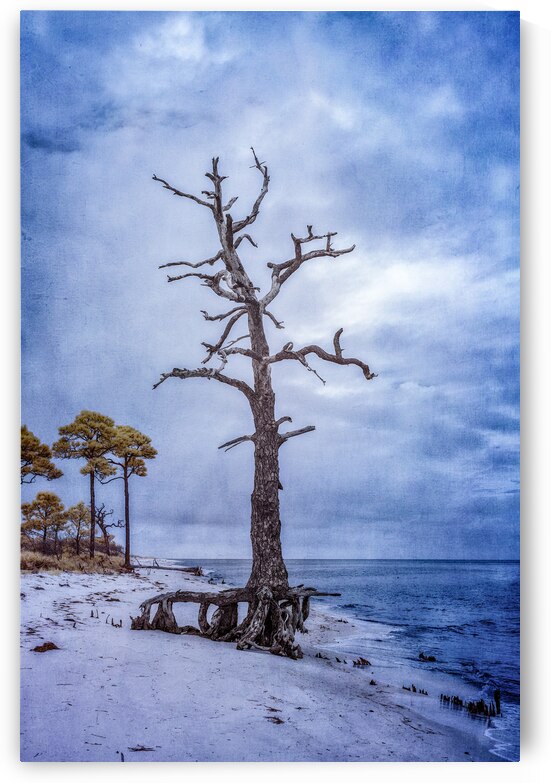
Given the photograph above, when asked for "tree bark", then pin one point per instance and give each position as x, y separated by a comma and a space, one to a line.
92, 516
126, 517
268, 567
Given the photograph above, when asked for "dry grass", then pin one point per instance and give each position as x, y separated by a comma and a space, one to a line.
36, 561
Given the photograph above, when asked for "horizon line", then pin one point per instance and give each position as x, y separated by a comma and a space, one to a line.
366, 559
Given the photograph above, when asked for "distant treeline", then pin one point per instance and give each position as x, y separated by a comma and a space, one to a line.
109, 452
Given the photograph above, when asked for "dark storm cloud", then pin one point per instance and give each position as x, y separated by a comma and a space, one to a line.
398, 130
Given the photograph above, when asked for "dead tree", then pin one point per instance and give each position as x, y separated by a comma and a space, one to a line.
275, 611
104, 526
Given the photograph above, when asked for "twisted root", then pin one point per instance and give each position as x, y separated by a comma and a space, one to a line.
272, 620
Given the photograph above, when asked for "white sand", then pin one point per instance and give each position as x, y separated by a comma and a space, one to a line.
109, 691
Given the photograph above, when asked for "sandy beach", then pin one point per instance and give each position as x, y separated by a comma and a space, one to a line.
112, 694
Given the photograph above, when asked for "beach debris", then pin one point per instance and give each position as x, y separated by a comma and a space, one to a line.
361, 662
274, 719
413, 689
45, 647
193, 570
372, 682
141, 749
475, 708
428, 658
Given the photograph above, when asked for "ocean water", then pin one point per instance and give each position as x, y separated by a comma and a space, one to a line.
464, 613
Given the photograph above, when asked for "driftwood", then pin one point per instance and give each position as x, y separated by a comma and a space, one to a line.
195, 570
272, 619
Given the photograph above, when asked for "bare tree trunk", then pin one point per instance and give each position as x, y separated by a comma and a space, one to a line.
44, 535
106, 542
275, 611
126, 517
92, 517
268, 568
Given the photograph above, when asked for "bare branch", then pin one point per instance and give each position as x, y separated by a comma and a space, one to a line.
209, 261
271, 316
337, 344
231, 444
279, 422
287, 352
242, 237
189, 274
282, 272
209, 374
179, 192
212, 282
293, 434
237, 340
243, 352
212, 349
119, 523
222, 316
240, 224
230, 204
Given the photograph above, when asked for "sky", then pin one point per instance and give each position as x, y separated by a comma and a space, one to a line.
398, 130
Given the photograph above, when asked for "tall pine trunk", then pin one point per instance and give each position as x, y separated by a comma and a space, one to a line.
92, 516
268, 567
126, 517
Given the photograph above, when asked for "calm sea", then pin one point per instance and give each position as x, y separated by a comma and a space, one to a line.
465, 613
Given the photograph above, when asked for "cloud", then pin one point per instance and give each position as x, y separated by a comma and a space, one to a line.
43, 141
399, 132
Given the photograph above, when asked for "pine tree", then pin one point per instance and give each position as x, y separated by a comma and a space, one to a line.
89, 437
44, 514
129, 451
78, 517
36, 459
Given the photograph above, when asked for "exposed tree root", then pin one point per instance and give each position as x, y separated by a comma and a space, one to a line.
273, 617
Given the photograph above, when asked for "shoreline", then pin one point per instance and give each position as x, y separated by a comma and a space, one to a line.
152, 696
